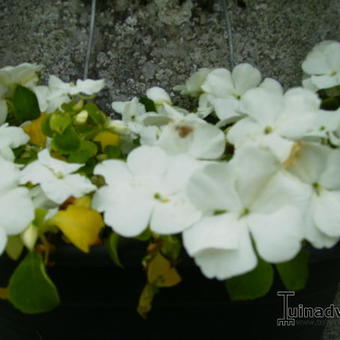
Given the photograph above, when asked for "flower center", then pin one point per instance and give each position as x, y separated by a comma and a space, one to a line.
317, 188
267, 130
157, 196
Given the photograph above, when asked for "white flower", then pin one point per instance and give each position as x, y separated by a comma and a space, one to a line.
56, 178
193, 86
16, 207
317, 168
246, 196
57, 92
322, 65
147, 189
275, 121
23, 74
11, 137
194, 136
224, 89
131, 112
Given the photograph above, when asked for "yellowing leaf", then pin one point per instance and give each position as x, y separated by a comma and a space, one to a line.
161, 273
106, 138
84, 202
34, 130
145, 300
80, 225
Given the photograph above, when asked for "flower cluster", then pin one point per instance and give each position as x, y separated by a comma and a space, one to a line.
249, 176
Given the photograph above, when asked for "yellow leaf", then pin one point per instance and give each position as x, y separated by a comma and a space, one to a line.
106, 138
84, 202
33, 129
145, 300
161, 273
80, 225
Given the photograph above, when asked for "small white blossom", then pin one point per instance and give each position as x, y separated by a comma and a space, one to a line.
148, 189
57, 92
248, 196
56, 178
322, 65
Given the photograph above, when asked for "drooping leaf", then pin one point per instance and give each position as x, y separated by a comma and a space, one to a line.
112, 247
25, 103
67, 142
14, 247
113, 152
34, 130
252, 285
45, 126
161, 273
145, 300
294, 273
30, 289
81, 225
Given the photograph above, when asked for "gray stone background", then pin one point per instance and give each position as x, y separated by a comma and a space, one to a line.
143, 43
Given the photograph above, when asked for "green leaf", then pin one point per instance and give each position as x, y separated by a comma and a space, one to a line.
14, 247
39, 216
112, 247
26, 106
148, 104
59, 122
252, 285
45, 126
171, 247
97, 116
84, 152
294, 273
113, 152
30, 289
67, 142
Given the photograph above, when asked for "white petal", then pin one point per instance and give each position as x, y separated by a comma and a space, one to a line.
245, 77
243, 130
272, 85
215, 232
88, 86
113, 171
212, 188
36, 173
310, 162
179, 171
127, 209
58, 190
158, 95
43, 94
299, 99
16, 210
327, 213
330, 178
173, 216
3, 240
219, 83
224, 264
282, 189
148, 161
253, 169
227, 108
9, 175
316, 61
278, 235
57, 165
11, 136
193, 84
262, 105
314, 235
324, 82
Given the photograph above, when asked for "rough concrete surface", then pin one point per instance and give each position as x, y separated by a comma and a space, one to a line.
143, 43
